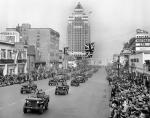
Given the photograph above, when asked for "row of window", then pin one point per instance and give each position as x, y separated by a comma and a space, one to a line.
52, 54
8, 54
135, 60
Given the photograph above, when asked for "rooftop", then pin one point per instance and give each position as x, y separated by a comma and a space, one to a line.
79, 6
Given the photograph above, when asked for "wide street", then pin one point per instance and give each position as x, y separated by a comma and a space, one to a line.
89, 100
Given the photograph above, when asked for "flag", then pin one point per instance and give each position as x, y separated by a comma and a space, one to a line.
89, 49
66, 50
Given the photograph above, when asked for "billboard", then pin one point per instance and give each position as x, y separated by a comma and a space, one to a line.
9, 36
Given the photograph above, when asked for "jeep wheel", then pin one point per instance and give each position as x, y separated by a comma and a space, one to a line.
55, 93
23, 92
41, 111
25, 110
46, 107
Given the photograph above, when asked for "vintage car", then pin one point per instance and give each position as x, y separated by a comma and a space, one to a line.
89, 75
61, 80
28, 88
65, 84
52, 82
74, 82
61, 90
80, 79
37, 102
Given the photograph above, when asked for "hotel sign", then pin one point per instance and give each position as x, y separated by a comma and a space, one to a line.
10, 36
8, 33
143, 40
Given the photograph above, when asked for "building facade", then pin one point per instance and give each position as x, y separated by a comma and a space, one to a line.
31, 58
78, 31
13, 56
138, 64
45, 40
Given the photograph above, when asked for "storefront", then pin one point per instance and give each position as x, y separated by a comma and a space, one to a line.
2, 67
11, 69
39, 64
21, 68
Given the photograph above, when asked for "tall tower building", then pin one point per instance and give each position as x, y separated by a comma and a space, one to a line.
78, 31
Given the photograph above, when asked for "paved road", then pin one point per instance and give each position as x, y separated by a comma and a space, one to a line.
89, 100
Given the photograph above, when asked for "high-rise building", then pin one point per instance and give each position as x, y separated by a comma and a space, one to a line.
78, 32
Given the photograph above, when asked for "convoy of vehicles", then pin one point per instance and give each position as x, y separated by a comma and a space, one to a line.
38, 101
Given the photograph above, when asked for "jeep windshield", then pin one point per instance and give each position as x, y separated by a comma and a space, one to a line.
61, 87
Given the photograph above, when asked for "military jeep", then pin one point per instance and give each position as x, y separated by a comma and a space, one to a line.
52, 82
38, 102
28, 88
61, 90
74, 82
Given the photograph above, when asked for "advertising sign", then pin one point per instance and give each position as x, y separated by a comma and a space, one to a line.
10, 36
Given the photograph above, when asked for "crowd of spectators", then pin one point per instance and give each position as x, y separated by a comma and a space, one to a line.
24, 77
130, 95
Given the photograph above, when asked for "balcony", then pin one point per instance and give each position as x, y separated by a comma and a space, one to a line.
21, 61
5, 61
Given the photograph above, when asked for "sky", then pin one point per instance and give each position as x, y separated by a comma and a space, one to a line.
112, 22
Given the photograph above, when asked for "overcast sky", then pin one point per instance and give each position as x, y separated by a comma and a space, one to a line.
113, 22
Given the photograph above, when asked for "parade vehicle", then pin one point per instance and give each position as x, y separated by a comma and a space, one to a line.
52, 82
89, 75
28, 88
80, 79
62, 80
37, 102
74, 83
62, 89
65, 84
